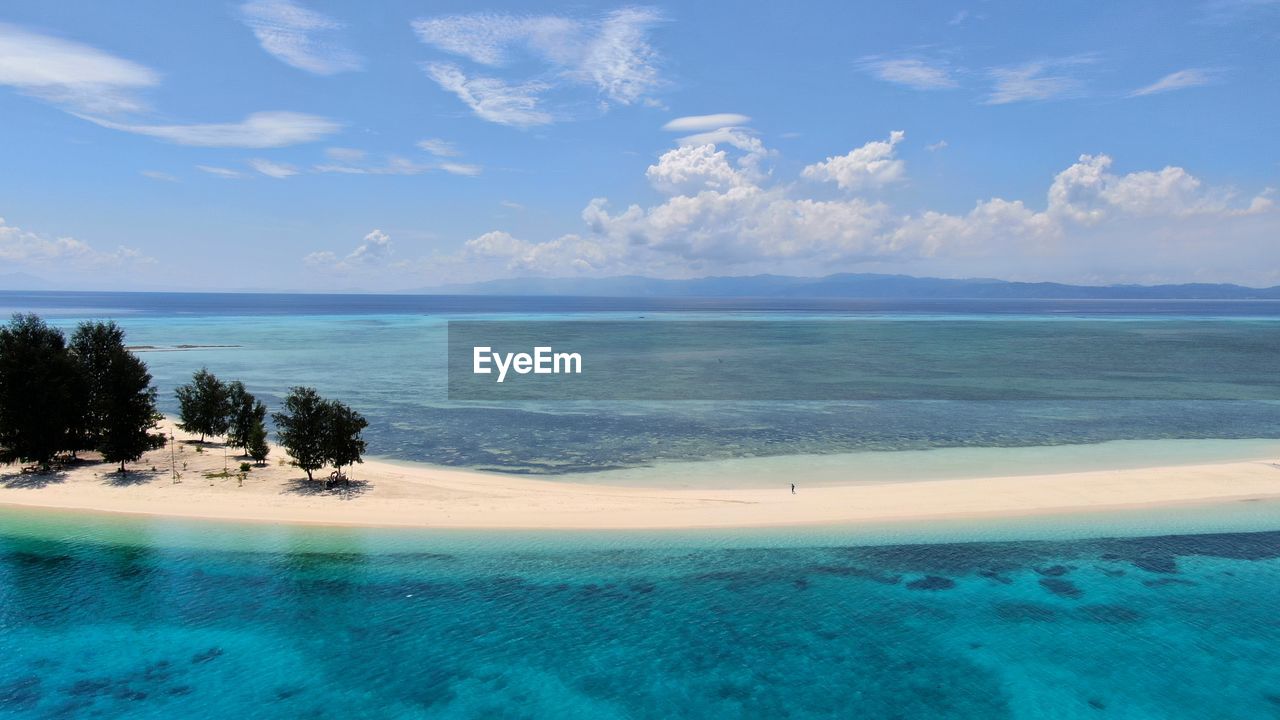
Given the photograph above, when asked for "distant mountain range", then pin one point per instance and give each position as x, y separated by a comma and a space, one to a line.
849, 285
843, 285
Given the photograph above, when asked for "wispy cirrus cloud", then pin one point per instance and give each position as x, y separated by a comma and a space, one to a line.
223, 172
258, 130
439, 148
1182, 79
1038, 80
915, 73
699, 123
493, 99
272, 169
610, 54
71, 74
299, 37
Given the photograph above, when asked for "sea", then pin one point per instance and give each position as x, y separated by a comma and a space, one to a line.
1129, 614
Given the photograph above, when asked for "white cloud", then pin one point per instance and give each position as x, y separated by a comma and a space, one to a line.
697, 123
439, 148
1192, 77
342, 154
222, 172
690, 169
273, 169
259, 130
374, 250
299, 37
394, 165
159, 175
871, 166
1092, 225
610, 54
912, 72
493, 99
934, 147
1036, 81
71, 74
20, 247
460, 169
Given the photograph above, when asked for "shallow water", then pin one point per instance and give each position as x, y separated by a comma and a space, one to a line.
385, 355
134, 618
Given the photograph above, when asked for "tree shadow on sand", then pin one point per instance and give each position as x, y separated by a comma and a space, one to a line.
32, 480
133, 477
342, 489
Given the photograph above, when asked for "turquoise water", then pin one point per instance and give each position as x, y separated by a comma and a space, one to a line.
1165, 613
142, 619
385, 355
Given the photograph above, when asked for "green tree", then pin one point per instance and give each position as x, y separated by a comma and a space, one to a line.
39, 388
302, 426
94, 347
246, 413
204, 405
119, 401
343, 439
258, 448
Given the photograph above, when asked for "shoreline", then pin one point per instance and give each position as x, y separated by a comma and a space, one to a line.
400, 495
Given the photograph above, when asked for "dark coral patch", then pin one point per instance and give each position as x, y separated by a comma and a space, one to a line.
212, 653
1110, 614
1025, 612
1061, 588
1054, 570
932, 582
21, 694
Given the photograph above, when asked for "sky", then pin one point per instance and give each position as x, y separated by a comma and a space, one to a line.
328, 145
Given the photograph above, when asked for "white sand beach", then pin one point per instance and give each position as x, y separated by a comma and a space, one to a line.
404, 495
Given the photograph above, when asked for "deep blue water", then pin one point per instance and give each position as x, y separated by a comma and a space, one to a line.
1180, 626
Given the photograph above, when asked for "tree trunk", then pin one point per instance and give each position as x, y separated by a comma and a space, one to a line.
309, 478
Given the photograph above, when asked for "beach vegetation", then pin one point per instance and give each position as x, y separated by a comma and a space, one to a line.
300, 427
204, 405
258, 448
41, 407
316, 432
118, 401
246, 412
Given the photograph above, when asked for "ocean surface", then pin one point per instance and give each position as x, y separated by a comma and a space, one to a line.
386, 356
132, 618
1143, 614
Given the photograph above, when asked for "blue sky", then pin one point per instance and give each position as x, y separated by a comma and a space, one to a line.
322, 144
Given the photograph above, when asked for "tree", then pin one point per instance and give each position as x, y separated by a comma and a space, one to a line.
258, 448
301, 428
203, 405
94, 347
246, 413
343, 440
39, 387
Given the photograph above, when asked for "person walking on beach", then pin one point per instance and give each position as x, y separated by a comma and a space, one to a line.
793, 488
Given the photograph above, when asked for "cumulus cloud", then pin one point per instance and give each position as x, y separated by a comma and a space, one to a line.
299, 37
373, 250
717, 218
71, 74
24, 248
871, 166
914, 73
259, 130
610, 54
1191, 77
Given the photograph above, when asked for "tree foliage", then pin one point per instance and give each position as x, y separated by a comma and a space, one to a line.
343, 439
119, 401
258, 448
300, 426
204, 405
316, 432
39, 387
246, 412
89, 394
